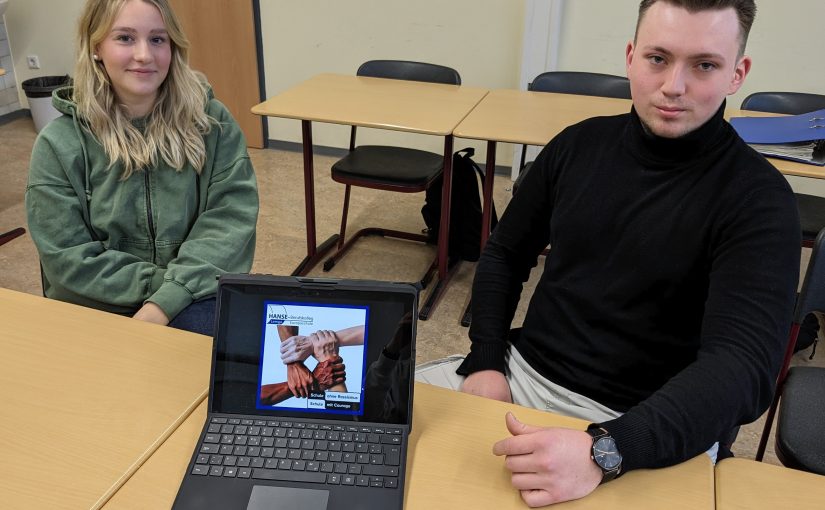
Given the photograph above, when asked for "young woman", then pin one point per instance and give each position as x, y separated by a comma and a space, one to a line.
142, 192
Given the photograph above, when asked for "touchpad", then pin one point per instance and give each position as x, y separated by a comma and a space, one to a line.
286, 498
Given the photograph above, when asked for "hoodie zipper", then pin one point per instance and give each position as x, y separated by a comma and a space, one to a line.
149, 214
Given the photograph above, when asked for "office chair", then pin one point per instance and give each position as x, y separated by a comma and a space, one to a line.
397, 169
800, 391
811, 207
11, 234
572, 82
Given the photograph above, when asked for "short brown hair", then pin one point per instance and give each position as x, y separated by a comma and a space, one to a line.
745, 13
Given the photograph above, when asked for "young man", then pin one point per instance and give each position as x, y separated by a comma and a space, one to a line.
667, 294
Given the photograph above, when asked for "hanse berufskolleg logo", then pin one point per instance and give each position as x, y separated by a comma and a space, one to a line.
275, 314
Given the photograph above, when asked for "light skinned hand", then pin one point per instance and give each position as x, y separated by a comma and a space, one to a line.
548, 464
295, 348
150, 312
324, 345
489, 384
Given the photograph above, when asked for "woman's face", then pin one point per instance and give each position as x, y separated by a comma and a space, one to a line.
136, 54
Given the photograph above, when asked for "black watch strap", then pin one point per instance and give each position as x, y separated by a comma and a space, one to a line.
606, 462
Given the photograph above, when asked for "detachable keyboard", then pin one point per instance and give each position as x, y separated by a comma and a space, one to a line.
300, 451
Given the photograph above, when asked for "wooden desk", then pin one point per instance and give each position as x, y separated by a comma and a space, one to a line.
400, 105
87, 397
743, 484
450, 464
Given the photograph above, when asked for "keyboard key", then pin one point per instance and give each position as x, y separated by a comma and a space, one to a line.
327, 467
241, 429
272, 423
257, 462
362, 481
376, 448
201, 470
216, 460
202, 459
244, 472
271, 463
254, 431
270, 441
228, 429
391, 483
333, 479
255, 441
214, 429
243, 461
226, 449
230, 460
280, 453
239, 450
354, 469
254, 451
348, 480
260, 423
363, 458
285, 464
209, 448
246, 422
392, 455
289, 476
376, 481
230, 472
234, 421
216, 471
218, 420
212, 438
299, 465
373, 438
340, 468
385, 439
376, 459
313, 466
380, 470
335, 456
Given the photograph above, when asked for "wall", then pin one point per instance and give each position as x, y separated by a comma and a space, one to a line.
479, 38
8, 84
45, 28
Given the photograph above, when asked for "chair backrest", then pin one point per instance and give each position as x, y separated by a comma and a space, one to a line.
790, 103
406, 70
812, 296
586, 84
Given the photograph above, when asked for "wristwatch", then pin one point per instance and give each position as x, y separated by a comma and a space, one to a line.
605, 453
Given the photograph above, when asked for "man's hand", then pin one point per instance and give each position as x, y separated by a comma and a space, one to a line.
329, 373
488, 383
295, 348
549, 465
299, 379
150, 312
324, 345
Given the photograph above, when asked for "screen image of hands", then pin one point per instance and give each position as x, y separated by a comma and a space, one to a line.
328, 374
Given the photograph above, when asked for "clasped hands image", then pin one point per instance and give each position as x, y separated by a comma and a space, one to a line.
323, 346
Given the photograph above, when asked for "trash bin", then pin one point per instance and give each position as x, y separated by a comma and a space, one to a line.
39, 93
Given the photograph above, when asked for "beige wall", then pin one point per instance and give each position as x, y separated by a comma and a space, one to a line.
479, 38
45, 28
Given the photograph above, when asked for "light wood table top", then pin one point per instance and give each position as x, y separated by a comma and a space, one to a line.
743, 484
533, 118
87, 397
2, 71
400, 105
450, 464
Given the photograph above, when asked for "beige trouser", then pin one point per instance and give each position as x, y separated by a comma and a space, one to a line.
528, 389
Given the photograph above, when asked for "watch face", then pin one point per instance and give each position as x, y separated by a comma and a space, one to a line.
606, 454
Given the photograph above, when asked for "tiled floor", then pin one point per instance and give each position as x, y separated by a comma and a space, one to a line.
281, 241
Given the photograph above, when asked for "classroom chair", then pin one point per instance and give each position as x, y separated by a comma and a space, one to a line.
389, 168
800, 390
811, 207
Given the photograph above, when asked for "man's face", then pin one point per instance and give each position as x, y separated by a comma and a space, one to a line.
682, 65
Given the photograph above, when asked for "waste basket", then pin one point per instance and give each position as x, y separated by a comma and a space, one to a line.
39, 93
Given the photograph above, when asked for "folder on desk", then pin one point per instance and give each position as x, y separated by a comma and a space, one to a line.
794, 137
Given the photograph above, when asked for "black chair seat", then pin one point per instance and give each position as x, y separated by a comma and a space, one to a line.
389, 165
811, 215
799, 443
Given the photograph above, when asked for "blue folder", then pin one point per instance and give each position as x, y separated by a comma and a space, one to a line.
794, 137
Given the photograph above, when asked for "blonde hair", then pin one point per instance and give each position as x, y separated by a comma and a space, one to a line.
177, 122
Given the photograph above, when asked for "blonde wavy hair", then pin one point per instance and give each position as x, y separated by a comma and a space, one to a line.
176, 124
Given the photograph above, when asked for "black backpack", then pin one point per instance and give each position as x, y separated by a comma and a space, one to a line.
465, 208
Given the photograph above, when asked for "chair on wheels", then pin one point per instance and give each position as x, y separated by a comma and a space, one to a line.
389, 168
800, 391
811, 207
573, 82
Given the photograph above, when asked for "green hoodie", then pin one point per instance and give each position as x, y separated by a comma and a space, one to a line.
160, 235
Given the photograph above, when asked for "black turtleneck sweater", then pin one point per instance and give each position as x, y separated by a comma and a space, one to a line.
668, 291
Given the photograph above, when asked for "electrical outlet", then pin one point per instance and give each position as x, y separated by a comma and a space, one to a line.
33, 61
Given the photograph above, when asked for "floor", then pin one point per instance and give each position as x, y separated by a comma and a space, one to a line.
281, 242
